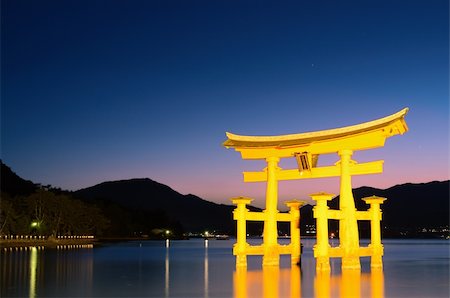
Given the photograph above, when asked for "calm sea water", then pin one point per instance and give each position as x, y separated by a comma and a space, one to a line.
412, 268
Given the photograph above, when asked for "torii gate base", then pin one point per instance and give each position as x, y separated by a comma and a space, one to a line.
347, 251
270, 249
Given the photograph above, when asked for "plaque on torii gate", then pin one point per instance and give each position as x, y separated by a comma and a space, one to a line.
306, 149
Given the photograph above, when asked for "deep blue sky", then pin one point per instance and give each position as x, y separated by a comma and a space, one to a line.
106, 90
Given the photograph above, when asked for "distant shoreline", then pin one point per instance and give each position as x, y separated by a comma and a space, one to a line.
6, 243
53, 243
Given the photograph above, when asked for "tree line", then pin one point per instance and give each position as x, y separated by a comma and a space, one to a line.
27, 208
52, 212
48, 213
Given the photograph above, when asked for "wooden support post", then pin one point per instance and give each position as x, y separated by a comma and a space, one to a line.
348, 226
239, 214
294, 211
375, 231
270, 237
320, 211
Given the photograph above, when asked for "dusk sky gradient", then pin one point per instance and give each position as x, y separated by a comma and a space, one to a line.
94, 91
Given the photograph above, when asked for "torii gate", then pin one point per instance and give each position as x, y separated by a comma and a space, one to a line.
306, 148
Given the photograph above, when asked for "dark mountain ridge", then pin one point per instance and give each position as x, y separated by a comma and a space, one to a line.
194, 213
410, 209
14, 185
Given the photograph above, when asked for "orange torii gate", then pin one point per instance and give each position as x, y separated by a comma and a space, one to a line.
306, 149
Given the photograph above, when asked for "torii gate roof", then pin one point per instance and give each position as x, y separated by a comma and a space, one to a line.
395, 121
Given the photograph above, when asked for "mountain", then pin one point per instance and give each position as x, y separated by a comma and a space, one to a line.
12, 184
409, 207
417, 205
194, 213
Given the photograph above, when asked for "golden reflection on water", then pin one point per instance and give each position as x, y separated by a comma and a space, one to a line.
167, 274
350, 283
20, 270
33, 269
206, 271
268, 282
275, 282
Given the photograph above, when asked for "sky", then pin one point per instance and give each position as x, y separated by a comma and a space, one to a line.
95, 91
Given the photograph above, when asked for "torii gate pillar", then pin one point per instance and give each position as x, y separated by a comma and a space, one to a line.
270, 234
348, 226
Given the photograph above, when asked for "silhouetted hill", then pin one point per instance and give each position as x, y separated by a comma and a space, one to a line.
426, 204
194, 213
409, 207
12, 184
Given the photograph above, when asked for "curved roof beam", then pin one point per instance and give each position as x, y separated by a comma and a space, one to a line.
387, 126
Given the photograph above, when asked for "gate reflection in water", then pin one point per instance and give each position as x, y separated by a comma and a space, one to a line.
350, 283
268, 282
275, 282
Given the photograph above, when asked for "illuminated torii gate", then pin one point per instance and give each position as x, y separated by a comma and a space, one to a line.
306, 148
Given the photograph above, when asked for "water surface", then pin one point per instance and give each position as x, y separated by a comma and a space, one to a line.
412, 268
